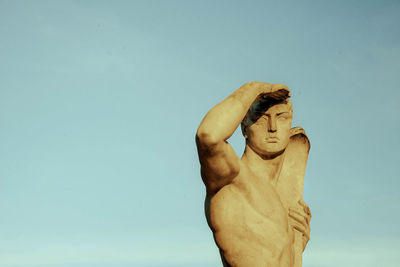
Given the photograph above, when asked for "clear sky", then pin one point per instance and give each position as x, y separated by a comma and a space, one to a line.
100, 102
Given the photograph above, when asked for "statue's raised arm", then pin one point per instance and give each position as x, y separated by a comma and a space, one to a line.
219, 162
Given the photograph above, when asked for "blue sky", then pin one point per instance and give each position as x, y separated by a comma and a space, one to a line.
100, 101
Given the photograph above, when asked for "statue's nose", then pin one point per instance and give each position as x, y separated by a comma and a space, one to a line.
272, 125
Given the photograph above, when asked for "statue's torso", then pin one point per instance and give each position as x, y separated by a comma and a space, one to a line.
249, 222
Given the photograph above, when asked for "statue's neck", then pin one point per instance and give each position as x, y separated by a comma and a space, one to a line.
264, 166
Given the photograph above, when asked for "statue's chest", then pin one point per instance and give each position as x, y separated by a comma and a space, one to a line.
245, 201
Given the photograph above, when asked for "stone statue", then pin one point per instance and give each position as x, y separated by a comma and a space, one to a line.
254, 204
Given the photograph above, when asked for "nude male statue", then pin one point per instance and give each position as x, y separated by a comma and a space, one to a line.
253, 204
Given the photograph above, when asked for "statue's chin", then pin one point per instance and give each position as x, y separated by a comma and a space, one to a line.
271, 154
267, 150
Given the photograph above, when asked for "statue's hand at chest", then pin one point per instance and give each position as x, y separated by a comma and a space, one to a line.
299, 219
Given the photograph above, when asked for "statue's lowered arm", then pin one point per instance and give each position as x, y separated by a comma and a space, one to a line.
291, 181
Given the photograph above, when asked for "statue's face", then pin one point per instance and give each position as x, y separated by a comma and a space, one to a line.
269, 132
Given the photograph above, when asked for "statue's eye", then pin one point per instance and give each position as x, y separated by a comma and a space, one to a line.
260, 120
282, 117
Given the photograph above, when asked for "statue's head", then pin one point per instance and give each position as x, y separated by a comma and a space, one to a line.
266, 126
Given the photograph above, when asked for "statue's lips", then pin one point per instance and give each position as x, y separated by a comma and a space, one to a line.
272, 140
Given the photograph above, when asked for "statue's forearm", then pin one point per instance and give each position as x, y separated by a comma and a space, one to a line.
222, 120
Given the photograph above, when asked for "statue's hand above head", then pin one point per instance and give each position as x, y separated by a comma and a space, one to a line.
269, 90
299, 219
277, 92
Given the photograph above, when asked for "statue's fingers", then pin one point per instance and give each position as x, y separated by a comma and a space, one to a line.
301, 218
282, 93
275, 94
271, 95
298, 211
278, 95
308, 215
305, 228
278, 86
305, 206
302, 230
300, 215
299, 227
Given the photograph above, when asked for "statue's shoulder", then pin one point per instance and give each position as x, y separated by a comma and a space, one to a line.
299, 134
297, 130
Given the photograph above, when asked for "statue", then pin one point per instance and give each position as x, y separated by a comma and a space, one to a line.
254, 204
